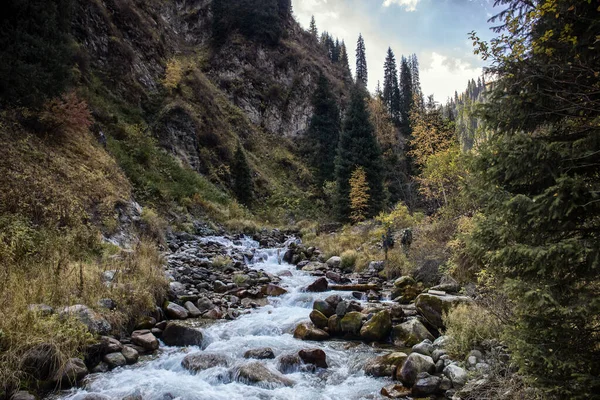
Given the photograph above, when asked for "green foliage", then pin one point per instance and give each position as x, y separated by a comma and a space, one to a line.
359, 195
469, 326
243, 185
156, 176
358, 148
35, 50
264, 22
324, 131
537, 180
391, 88
349, 258
361, 62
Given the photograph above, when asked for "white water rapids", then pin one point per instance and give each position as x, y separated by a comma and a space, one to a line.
162, 377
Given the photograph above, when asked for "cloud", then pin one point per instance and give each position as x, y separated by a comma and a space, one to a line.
442, 75
409, 5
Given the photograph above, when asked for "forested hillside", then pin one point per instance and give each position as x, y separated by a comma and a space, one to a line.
199, 171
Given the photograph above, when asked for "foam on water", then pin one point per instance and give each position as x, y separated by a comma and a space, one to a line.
162, 376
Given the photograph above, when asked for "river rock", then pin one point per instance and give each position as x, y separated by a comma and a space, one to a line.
324, 307
351, 323
395, 391
95, 323
131, 355
333, 300
145, 323
175, 311
203, 304
214, 313
320, 285
377, 328
318, 319
456, 374
413, 366
433, 307
114, 360
257, 373
177, 334
334, 262
91, 396
113, 345
385, 365
144, 338
426, 385
263, 353
200, 361
70, 373
425, 348
410, 333
313, 356
289, 363
306, 331
406, 289
274, 290
192, 310
333, 325
101, 368
22, 395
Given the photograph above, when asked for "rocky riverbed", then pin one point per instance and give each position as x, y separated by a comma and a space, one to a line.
267, 318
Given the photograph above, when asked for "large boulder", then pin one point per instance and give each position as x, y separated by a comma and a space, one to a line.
315, 357
114, 360
289, 363
334, 262
144, 338
320, 285
406, 289
200, 361
73, 371
351, 323
456, 374
257, 373
175, 311
274, 290
324, 307
409, 333
95, 323
333, 325
192, 310
318, 319
306, 331
414, 365
433, 307
377, 328
263, 353
426, 385
177, 334
385, 365
131, 355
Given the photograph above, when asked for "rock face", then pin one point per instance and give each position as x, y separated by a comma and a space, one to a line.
410, 333
378, 327
320, 285
385, 365
316, 357
144, 338
433, 307
176, 334
260, 354
413, 366
95, 323
200, 361
256, 373
306, 331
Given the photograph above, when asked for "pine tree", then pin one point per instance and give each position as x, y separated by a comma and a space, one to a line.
538, 183
359, 195
323, 132
243, 186
406, 96
35, 50
391, 89
313, 28
416, 81
344, 62
361, 62
358, 148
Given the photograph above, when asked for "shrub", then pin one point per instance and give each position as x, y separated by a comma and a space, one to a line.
349, 258
155, 226
468, 326
67, 114
222, 262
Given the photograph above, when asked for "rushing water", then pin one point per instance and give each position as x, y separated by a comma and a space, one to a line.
162, 377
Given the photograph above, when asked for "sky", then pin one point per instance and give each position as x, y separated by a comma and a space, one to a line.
435, 30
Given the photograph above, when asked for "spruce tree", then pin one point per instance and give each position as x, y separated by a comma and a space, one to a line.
538, 182
35, 50
313, 28
416, 81
344, 62
361, 62
406, 96
358, 148
391, 90
243, 186
323, 132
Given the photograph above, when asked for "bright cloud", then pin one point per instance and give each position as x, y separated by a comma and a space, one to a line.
409, 5
442, 75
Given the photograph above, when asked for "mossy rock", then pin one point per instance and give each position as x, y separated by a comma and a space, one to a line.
433, 307
410, 333
378, 327
351, 323
318, 319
